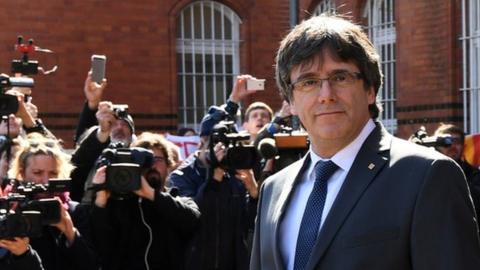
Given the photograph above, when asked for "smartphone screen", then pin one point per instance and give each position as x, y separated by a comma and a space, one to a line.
98, 68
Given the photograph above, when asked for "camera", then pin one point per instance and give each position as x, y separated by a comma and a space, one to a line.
25, 66
120, 110
255, 84
282, 143
9, 103
21, 224
237, 155
124, 168
31, 212
421, 137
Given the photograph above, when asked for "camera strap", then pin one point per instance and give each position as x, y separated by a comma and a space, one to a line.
97, 187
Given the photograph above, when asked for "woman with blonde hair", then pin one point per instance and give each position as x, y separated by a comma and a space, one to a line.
62, 245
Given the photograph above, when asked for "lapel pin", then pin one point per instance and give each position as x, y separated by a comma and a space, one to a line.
371, 166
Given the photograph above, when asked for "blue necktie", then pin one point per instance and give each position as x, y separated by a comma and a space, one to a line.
312, 216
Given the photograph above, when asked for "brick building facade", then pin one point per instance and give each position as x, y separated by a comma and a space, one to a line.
140, 39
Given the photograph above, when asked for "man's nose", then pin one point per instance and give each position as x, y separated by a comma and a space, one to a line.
325, 93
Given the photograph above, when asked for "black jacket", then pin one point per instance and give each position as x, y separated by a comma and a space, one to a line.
472, 175
122, 239
84, 159
54, 251
29, 260
227, 217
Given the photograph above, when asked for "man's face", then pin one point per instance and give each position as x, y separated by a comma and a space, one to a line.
157, 174
455, 150
333, 117
121, 131
257, 118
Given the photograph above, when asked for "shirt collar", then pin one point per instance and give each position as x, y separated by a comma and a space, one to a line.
345, 157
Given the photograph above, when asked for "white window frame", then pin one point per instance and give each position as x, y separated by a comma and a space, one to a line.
326, 6
381, 31
470, 88
190, 108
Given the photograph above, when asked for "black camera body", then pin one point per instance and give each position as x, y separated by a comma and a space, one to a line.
31, 213
22, 224
120, 110
282, 143
421, 137
9, 103
124, 168
25, 67
238, 155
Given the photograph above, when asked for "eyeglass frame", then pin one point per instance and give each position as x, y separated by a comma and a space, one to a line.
354, 75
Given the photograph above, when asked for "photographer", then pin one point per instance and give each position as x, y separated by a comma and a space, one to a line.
28, 113
62, 245
455, 152
146, 229
93, 94
257, 115
227, 199
264, 145
114, 127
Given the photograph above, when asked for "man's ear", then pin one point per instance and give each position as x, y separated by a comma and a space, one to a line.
371, 96
244, 125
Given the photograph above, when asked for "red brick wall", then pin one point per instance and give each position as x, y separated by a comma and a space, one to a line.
428, 60
139, 41
427, 64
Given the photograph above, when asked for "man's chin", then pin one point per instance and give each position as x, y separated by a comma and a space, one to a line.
154, 179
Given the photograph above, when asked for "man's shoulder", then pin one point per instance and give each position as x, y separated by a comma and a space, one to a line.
401, 148
189, 168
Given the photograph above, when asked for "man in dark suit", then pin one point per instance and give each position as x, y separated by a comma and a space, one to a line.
361, 198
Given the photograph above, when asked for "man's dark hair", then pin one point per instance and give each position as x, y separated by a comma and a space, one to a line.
149, 140
450, 129
343, 39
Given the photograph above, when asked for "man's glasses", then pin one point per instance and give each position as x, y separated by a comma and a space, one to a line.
337, 80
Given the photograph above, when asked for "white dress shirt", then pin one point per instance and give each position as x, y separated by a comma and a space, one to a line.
294, 212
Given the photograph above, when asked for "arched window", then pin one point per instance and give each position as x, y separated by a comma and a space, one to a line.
471, 65
326, 6
207, 58
381, 30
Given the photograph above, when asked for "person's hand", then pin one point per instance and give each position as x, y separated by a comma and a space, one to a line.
239, 91
22, 112
102, 195
12, 126
269, 165
285, 110
32, 109
17, 246
106, 119
145, 191
220, 152
248, 180
93, 91
65, 225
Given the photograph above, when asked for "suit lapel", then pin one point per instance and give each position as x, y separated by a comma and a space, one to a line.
294, 175
366, 165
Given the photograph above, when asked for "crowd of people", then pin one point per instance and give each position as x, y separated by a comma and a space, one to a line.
354, 192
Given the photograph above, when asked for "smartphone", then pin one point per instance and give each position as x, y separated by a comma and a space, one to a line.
98, 68
255, 84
